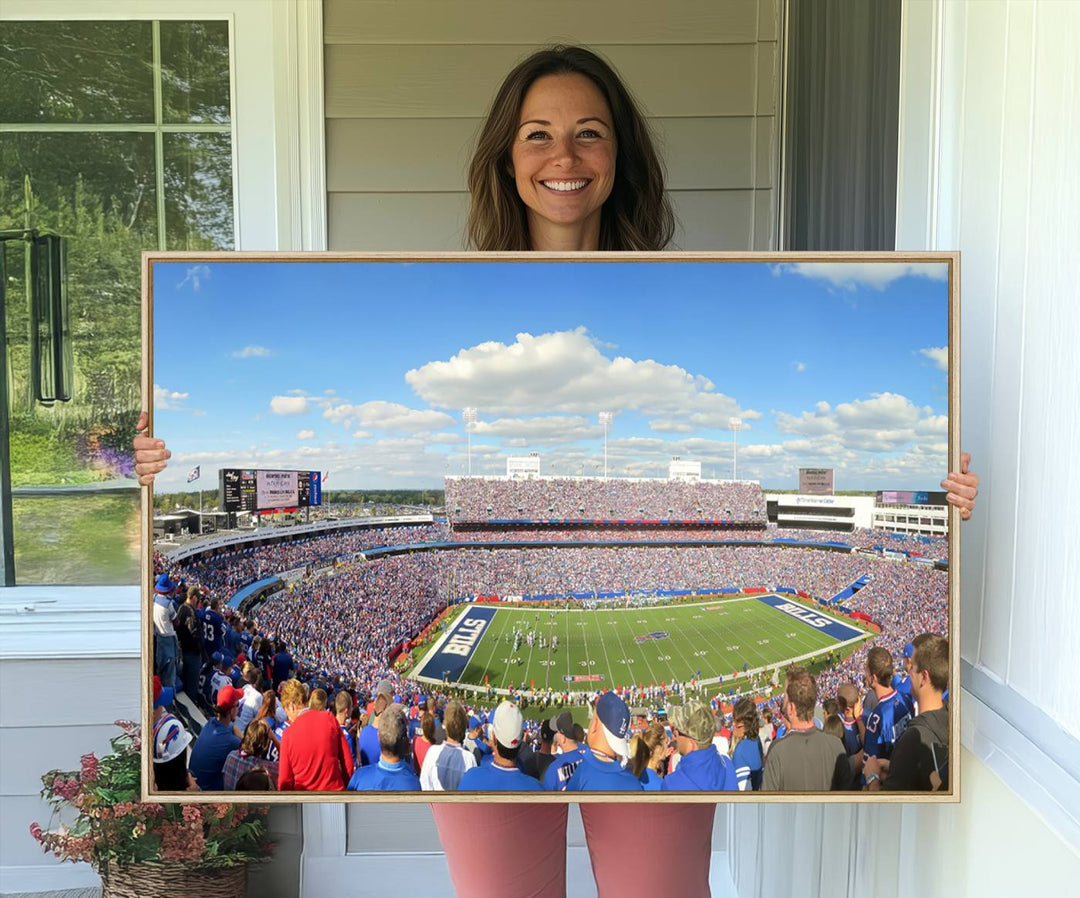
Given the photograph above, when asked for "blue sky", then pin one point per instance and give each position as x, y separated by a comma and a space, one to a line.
362, 369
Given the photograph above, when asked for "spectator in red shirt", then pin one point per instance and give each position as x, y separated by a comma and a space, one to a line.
314, 754
423, 740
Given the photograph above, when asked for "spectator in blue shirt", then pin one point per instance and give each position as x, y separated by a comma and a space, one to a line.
367, 741
746, 753
649, 751
601, 769
502, 774
702, 768
218, 738
393, 771
570, 753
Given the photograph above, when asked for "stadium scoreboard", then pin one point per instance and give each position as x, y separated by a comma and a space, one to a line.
253, 489
816, 481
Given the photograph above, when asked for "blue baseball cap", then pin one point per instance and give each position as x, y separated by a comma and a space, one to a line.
909, 650
615, 717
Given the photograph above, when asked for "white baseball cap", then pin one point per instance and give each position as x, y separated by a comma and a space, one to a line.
506, 724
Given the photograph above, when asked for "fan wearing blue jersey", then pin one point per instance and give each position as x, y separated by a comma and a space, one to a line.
702, 768
602, 770
502, 774
901, 680
849, 708
886, 723
746, 751
570, 754
213, 632
920, 758
393, 772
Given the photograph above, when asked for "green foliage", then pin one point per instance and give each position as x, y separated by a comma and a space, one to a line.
384, 497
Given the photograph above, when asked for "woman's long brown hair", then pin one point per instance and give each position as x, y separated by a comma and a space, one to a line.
637, 214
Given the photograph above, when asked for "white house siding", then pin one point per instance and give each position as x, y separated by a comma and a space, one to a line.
408, 84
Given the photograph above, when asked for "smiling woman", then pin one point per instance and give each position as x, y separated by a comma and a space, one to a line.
562, 117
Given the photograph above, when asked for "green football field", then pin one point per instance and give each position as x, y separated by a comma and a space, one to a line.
716, 637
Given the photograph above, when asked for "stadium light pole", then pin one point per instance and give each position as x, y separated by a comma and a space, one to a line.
468, 415
734, 424
606, 418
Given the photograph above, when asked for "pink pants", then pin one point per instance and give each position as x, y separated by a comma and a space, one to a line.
520, 849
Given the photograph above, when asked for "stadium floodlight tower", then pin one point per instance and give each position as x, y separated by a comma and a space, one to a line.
605, 419
468, 415
734, 424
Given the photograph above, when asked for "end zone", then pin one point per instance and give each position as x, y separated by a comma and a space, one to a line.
824, 623
451, 656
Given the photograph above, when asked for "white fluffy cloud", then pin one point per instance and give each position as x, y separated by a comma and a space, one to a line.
939, 355
567, 372
251, 352
380, 415
886, 422
541, 429
289, 405
852, 275
306, 435
168, 400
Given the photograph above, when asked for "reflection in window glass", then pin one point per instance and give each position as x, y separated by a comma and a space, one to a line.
195, 71
64, 72
81, 540
198, 191
76, 501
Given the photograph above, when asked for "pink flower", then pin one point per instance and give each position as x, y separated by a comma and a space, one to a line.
37, 832
192, 813
65, 788
89, 767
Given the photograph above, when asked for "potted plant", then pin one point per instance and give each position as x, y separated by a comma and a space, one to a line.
148, 848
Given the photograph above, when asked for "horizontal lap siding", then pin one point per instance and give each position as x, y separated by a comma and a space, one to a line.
53, 712
408, 84
525, 22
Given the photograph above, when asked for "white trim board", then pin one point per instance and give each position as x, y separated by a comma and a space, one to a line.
1022, 745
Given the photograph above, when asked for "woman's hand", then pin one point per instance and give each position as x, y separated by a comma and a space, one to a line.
962, 487
150, 453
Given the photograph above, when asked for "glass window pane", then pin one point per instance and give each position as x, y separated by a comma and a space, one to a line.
97, 190
198, 192
76, 72
80, 540
195, 71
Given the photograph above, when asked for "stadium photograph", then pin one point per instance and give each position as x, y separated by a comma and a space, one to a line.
433, 525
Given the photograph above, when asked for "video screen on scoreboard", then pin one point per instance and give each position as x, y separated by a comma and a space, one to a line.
253, 489
906, 497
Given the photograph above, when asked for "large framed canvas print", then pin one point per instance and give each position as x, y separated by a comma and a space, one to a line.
595, 527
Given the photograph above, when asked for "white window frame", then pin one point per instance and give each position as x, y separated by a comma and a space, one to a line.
279, 196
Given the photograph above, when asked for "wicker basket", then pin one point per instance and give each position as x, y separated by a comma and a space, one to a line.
150, 880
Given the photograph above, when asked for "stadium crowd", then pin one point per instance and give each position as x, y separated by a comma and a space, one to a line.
325, 645
895, 735
477, 499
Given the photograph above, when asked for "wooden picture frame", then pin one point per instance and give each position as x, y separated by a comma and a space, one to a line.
854, 280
